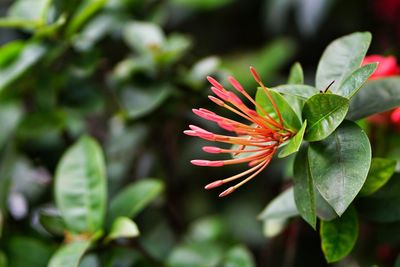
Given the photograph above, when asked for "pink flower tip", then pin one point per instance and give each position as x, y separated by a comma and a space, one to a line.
212, 149
227, 191
190, 133
255, 74
214, 184
215, 83
235, 84
216, 100
395, 116
207, 163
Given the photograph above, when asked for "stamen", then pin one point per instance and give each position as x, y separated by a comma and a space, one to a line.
214, 184
212, 149
207, 163
227, 191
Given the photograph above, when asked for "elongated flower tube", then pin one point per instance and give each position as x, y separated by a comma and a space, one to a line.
256, 137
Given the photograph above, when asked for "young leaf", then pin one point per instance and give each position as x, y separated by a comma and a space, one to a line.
123, 227
296, 75
52, 222
380, 172
324, 113
281, 207
86, 9
144, 37
294, 144
301, 91
289, 116
353, 83
134, 198
80, 186
376, 96
339, 236
29, 55
69, 254
341, 58
304, 191
238, 256
339, 165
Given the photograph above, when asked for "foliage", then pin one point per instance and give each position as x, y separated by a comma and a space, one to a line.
94, 96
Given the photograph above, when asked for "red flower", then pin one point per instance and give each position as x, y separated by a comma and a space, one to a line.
261, 136
387, 67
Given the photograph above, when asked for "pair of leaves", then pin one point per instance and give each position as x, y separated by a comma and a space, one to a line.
80, 191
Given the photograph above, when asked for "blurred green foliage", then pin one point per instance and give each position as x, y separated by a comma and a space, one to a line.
126, 73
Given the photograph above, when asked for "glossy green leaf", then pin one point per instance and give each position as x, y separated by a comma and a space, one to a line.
207, 229
376, 96
339, 236
289, 116
296, 75
281, 207
239, 256
85, 11
341, 58
324, 210
355, 81
123, 227
28, 10
304, 190
196, 255
379, 173
70, 254
324, 113
80, 186
273, 227
10, 115
28, 56
133, 198
301, 91
294, 143
339, 165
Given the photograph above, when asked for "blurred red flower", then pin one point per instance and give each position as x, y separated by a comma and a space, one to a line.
387, 67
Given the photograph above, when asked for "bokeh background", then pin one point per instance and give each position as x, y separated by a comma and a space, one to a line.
128, 73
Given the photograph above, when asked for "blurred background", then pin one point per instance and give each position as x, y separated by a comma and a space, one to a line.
128, 73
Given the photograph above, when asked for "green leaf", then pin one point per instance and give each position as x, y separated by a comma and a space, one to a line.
324, 113
339, 165
3, 259
144, 37
339, 236
138, 102
23, 251
20, 63
202, 4
289, 116
133, 198
376, 96
123, 227
85, 10
294, 143
324, 210
70, 254
80, 186
304, 190
52, 222
239, 256
379, 173
296, 75
10, 115
301, 91
341, 58
281, 207
196, 254
28, 10
207, 229
382, 206
355, 81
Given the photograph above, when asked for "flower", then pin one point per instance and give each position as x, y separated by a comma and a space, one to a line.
387, 67
256, 142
